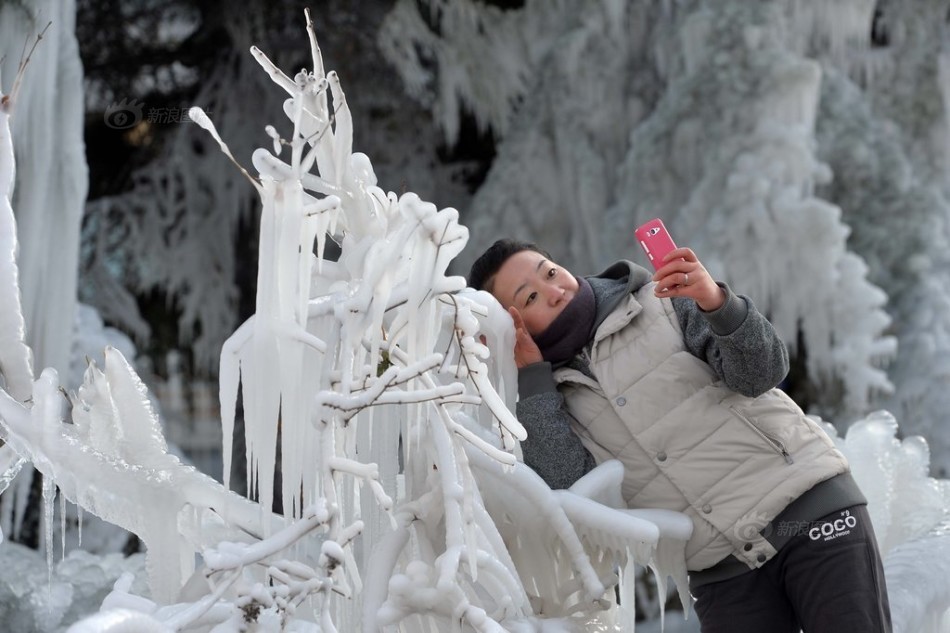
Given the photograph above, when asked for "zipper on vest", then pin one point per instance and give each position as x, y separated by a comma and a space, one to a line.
776, 445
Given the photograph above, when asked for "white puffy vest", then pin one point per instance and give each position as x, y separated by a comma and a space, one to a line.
687, 441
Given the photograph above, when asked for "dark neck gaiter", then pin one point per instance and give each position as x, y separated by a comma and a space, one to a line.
571, 330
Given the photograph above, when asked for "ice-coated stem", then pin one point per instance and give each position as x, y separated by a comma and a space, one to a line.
314, 47
198, 115
275, 73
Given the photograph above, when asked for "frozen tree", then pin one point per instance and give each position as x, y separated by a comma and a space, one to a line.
752, 194
181, 226
883, 128
799, 147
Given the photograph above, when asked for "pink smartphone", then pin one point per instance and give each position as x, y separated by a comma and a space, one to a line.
655, 240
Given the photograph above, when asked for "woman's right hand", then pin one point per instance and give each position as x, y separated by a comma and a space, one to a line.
526, 350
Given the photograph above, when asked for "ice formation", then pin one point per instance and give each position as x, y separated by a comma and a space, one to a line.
911, 515
43, 123
51, 174
16, 357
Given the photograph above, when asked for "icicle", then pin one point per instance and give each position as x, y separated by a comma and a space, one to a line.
21, 496
628, 594
62, 526
49, 497
229, 377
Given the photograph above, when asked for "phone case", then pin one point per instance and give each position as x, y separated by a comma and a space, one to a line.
655, 240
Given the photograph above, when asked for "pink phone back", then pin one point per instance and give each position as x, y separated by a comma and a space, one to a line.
655, 240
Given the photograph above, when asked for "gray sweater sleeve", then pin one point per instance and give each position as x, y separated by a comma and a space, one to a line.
737, 341
551, 449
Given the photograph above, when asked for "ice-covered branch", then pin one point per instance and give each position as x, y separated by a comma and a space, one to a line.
109, 475
352, 404
274, 72
7, 101
226, 556
198, 116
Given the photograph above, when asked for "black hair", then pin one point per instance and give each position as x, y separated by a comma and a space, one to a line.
483, 270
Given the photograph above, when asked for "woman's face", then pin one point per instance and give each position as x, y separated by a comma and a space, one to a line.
536, 286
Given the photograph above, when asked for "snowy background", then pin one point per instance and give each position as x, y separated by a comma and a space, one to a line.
800, 147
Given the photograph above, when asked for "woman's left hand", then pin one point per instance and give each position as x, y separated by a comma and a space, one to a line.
683, 275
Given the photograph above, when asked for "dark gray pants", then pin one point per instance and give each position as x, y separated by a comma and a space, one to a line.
827, 579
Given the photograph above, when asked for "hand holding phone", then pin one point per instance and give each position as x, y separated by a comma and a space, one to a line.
656, 241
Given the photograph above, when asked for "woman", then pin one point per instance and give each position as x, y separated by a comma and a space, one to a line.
675, 376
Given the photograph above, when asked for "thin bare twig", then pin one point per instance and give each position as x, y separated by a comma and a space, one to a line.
21, 68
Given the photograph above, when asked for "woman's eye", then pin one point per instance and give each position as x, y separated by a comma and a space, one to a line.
552, 272
531, 298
